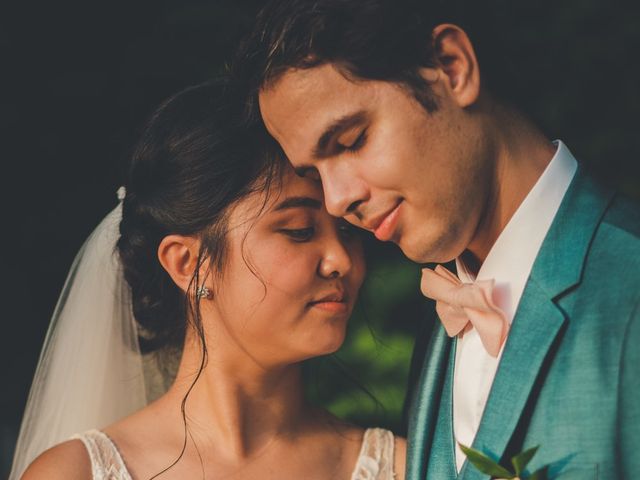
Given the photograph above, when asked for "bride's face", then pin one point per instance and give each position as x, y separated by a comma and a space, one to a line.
291, 275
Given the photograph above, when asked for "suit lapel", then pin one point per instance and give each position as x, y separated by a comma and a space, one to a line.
442, 457
538, 323
538, 319
425, 405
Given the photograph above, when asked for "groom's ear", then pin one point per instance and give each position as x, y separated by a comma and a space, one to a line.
178, 255
458, 62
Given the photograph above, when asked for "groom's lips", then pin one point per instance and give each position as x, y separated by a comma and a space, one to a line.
384, 226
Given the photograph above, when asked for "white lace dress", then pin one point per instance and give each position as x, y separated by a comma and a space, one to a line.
375, 461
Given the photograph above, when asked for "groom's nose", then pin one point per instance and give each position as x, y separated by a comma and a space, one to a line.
343, 193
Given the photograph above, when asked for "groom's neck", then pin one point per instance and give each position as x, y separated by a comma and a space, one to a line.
522, 153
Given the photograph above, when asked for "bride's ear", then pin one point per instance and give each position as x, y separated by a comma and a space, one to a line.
178, 255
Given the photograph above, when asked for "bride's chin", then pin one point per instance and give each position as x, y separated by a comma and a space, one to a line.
326, 342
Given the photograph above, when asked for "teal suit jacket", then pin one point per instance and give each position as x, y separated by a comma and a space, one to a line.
569, 377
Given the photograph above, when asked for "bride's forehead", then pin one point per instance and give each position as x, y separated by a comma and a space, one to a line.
288, 183
294, 184
287, 186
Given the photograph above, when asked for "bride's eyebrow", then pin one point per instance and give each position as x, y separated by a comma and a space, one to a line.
321, 149
298, 202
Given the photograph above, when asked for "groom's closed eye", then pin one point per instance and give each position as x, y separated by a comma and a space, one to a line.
335, 139
352, 140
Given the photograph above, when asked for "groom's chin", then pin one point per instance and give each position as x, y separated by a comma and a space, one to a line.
423, 251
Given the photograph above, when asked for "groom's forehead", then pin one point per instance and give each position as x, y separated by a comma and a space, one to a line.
303, 103
320, 86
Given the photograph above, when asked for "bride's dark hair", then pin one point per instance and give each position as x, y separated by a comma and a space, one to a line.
195, 159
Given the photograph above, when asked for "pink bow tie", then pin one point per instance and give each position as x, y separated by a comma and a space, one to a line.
462, 306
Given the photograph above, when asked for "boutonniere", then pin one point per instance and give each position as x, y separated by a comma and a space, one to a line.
519, 462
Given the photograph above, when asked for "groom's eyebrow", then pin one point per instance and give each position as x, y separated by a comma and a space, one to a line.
321, 149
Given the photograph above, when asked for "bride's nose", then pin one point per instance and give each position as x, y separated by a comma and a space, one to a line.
336, 260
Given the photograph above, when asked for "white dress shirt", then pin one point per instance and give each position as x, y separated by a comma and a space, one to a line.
509, 263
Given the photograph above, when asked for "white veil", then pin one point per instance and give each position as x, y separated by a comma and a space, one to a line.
90, 372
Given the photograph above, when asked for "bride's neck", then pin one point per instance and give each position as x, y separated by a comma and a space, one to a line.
235, 401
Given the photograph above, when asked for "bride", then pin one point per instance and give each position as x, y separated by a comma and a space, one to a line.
234, 267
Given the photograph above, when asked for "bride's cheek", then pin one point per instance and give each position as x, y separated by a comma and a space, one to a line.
293, 269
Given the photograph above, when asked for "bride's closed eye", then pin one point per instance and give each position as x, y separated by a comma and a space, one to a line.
299, 234
344, 228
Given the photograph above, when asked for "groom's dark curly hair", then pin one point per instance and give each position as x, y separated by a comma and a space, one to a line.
386, 40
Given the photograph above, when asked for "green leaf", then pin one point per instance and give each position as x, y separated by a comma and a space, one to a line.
485, 464
521, 460
541, 474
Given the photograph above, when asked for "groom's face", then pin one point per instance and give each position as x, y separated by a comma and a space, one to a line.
418, 179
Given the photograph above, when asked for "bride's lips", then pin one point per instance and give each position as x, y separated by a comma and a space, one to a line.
332, 303
384, 231
331, 307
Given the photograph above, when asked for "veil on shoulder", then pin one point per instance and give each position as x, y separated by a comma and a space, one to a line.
90, 372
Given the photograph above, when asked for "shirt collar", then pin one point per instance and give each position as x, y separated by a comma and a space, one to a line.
511, 258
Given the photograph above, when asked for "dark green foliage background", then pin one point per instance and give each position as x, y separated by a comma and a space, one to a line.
79, 78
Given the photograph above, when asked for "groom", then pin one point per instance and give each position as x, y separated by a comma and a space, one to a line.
385, 103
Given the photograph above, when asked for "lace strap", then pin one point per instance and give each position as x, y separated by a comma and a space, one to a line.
106, 461
376, 458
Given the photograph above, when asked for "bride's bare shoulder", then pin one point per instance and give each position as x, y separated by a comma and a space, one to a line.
68, 460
